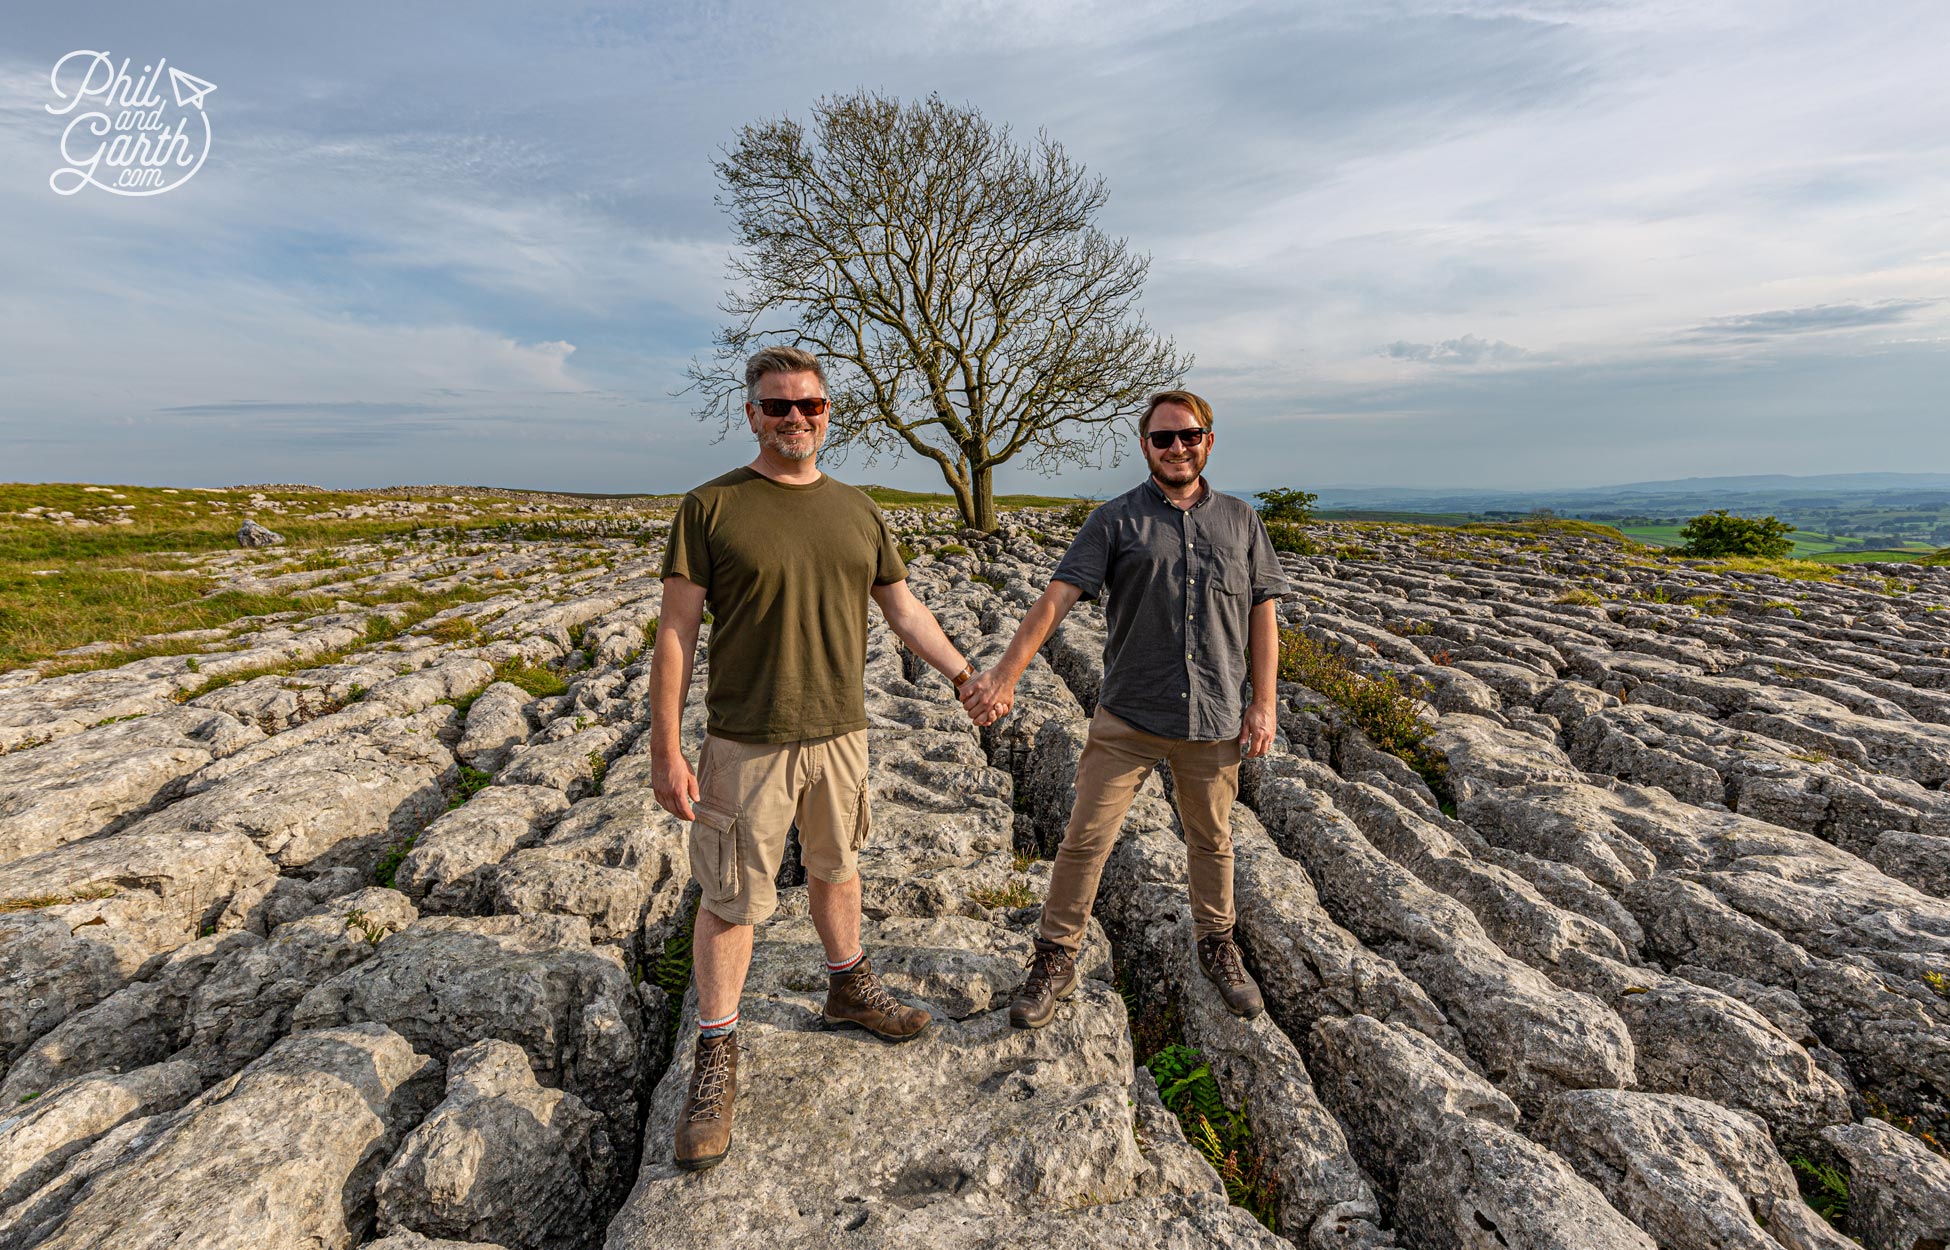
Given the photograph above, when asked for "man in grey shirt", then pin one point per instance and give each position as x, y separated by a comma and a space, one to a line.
1192, 581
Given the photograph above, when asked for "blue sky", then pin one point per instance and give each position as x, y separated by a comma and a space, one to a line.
1464, 244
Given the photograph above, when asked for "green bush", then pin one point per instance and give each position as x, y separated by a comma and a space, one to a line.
1079, 512
1287, 536
1716, 533
1295, 507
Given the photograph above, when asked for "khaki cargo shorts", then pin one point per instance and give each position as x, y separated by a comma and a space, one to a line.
750, 796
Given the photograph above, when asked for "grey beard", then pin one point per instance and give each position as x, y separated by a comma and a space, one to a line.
777, 447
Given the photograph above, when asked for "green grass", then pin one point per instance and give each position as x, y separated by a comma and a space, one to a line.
1807, 545
38, 901
888, 497
534, 678
61, 587
1015, 894
1792, 570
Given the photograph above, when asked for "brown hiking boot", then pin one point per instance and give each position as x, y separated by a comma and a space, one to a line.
704, 1125
1219, 960
856, 996
1052, 979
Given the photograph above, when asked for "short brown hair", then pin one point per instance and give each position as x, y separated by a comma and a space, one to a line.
779, 360
1200, 409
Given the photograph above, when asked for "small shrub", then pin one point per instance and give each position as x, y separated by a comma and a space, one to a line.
598, 766
1294, 507
1716, 533
1078, 512
1382, 707
949, 549
1291, 538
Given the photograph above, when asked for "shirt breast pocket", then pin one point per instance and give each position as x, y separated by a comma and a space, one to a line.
1230, 576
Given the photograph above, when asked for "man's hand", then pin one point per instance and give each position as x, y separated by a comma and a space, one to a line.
1256, 737
674, 783
988, 697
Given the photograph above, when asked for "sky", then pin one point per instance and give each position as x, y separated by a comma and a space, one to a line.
1495, 245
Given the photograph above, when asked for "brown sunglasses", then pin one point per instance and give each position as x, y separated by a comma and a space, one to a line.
779, 407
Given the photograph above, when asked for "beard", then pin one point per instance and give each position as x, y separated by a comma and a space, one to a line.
778, 445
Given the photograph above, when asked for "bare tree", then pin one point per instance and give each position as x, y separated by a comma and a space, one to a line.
966, 305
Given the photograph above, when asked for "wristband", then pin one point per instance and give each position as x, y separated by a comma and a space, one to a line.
962, 678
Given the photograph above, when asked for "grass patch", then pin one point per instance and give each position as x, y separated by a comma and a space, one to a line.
1791, 569
1581, 597
537, 679
472, 782
1218, 1132
1015, 894
888, 497
38, 901
62, 586
949, 549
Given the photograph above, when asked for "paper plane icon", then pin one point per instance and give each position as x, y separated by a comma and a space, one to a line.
189, 89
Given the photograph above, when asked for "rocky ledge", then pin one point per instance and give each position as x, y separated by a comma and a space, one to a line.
1629, 929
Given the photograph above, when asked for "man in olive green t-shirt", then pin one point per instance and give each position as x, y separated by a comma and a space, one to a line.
787, 559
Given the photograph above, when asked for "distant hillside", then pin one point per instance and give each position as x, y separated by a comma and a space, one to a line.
1892, 488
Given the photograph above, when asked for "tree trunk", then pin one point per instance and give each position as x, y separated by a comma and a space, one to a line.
982, 486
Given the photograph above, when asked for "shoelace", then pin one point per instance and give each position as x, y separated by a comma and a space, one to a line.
873, 995
711, 1083
1225, 962
1042, 972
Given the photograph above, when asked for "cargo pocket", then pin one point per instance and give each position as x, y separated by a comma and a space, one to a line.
862, 818
714, 853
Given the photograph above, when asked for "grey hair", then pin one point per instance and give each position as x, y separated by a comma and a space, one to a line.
779, 360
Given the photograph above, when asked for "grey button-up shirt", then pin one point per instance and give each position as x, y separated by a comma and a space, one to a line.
1180, 586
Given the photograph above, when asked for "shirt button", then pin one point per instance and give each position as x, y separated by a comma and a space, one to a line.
1183, 695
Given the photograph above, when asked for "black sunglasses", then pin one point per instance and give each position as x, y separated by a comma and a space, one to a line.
1163, 439
779, 407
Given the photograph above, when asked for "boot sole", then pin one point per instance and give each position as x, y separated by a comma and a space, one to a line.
831, 1021
698, 1165
1061, 996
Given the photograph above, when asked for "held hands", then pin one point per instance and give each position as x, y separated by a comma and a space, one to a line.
1256, 736
674, 784
987, 697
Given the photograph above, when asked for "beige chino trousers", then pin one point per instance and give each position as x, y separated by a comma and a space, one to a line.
1116, 760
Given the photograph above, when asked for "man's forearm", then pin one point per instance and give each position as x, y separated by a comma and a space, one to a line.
670, 685
920, 633
1036, 627
1263, 640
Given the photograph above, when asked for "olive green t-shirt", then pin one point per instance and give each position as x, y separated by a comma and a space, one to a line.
785, 571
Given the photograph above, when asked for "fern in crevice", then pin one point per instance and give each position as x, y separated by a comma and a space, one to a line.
1223, 1136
